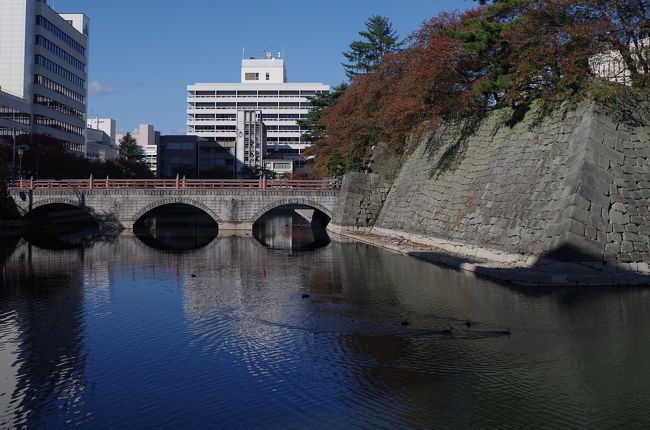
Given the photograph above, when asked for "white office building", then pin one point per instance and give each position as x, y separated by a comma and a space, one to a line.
100, 139
212, 108
43, 72
107, 125
611, 66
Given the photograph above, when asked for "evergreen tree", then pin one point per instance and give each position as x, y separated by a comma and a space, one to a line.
365, 56
312, 122
130, 150
334, 164
483, 36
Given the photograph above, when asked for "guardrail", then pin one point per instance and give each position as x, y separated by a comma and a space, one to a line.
175, 184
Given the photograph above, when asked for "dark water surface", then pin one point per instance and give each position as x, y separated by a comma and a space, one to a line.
116, 333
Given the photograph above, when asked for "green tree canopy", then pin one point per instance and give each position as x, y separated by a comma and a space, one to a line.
365, 56
483, 36
312, 122
130, 150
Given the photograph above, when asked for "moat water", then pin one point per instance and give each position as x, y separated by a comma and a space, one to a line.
176, 328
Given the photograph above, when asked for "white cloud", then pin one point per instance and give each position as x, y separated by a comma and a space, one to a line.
100, 88
132, 84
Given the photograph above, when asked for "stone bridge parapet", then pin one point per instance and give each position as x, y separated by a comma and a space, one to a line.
235, 209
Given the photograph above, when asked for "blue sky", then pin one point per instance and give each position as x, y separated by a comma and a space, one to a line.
143, 53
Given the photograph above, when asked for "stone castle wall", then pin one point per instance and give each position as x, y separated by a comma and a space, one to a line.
573, 184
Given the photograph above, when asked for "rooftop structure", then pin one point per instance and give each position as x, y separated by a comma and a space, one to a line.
212, 107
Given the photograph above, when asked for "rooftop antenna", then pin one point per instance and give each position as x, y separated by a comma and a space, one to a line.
243, 53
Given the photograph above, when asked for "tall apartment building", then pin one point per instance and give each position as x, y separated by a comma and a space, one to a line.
43, 72
251, 141
212, 107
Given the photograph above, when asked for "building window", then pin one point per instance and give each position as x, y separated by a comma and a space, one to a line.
252, 76
14, 115
57, 106
41, 41
52, 66
59, 125
268, 76
47, 83
60, 34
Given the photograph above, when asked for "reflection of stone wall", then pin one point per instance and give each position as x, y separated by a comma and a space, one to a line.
577, 179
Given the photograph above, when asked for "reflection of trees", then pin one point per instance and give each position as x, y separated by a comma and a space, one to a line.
343, 347
44, 290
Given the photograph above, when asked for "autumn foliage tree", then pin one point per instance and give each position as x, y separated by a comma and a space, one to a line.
503, 53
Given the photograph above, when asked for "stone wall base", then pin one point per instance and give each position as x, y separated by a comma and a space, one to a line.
517, 269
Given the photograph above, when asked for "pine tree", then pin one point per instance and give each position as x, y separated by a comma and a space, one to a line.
334, 164
365, 56
312, 122
483, 37
130, 150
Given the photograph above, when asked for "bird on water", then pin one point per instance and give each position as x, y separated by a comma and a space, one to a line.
405, 323
468, 324
305, 296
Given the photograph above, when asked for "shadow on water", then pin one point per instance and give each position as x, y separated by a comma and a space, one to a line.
291, 228
60, 226
176, 227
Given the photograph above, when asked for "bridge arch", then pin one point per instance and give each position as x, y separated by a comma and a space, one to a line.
290, 201
78, 203
171, 201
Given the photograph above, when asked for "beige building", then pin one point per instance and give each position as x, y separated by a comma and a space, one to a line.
147, 137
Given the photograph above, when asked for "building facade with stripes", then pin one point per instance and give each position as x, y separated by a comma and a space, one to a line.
43, 72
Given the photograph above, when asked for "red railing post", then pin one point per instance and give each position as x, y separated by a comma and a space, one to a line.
20, 183
183, 183
31, 183
178, 181
91, 182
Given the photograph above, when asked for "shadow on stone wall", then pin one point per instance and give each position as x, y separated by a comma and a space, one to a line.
564, 266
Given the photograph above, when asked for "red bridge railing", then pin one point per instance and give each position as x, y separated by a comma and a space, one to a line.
175, 184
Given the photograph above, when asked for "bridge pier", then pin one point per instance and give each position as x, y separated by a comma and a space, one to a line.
127, 224
236, 225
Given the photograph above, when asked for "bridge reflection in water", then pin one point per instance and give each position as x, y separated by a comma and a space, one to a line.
96, 335
291, 227
176, 227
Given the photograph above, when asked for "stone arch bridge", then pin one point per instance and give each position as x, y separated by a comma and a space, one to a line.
235, 208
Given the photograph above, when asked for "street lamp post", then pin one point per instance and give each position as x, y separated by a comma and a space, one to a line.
20, 163
13, 153
20, 152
